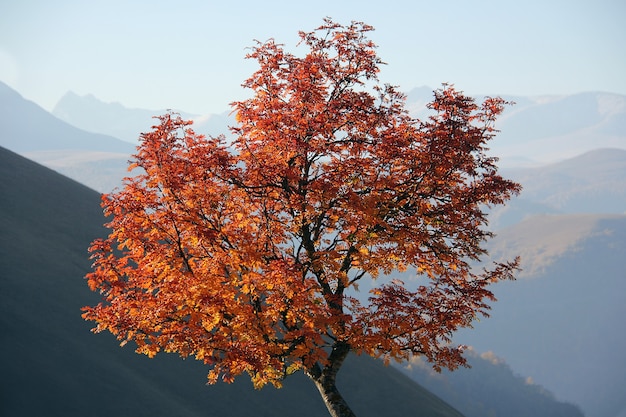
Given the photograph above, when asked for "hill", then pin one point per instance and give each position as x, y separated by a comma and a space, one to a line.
561, 323
52, 365
589, 183
593, 182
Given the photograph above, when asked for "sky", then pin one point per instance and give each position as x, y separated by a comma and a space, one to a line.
189, 55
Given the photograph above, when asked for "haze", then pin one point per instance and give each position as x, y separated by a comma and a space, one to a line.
189, 55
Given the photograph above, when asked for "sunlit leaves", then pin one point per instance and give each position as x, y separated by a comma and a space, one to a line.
243, 254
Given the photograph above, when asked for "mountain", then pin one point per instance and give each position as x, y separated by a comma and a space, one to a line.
27, 128
89, 113
53, 365
552, 128
534, 132
489, 388
547, 129
113, 119
593, 182
92, 158
561, 322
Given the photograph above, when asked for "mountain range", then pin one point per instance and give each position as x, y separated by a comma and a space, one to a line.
589, 183
113, 119
559, 323
538, 130
533, 132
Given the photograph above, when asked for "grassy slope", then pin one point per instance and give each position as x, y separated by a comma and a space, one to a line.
52, 365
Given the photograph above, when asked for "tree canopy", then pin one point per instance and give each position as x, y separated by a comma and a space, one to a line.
248, 254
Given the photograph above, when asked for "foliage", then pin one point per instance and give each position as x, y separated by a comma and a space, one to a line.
242, 254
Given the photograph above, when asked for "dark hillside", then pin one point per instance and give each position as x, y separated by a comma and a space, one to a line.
52, 365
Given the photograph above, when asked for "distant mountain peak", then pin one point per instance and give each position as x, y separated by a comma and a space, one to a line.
113, 118
71, 98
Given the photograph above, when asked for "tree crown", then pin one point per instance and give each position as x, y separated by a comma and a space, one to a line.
248, 255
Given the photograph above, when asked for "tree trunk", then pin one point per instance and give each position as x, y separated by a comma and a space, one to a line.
336, 405
324, 379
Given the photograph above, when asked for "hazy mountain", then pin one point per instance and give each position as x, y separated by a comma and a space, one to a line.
594, 182
27, 127
536, 130
94, 159
553, 128
90, 114
561, 322
93, 115
546, 129
489, 388
53, 365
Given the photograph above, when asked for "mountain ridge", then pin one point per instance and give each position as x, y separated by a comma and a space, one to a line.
592, 182
542, 239
23, 118
90, 114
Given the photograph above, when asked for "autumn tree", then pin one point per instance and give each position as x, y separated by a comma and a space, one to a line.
248, 255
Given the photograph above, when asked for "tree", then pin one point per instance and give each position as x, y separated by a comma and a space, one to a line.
248, 255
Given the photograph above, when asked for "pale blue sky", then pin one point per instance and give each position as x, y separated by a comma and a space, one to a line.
188, 55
